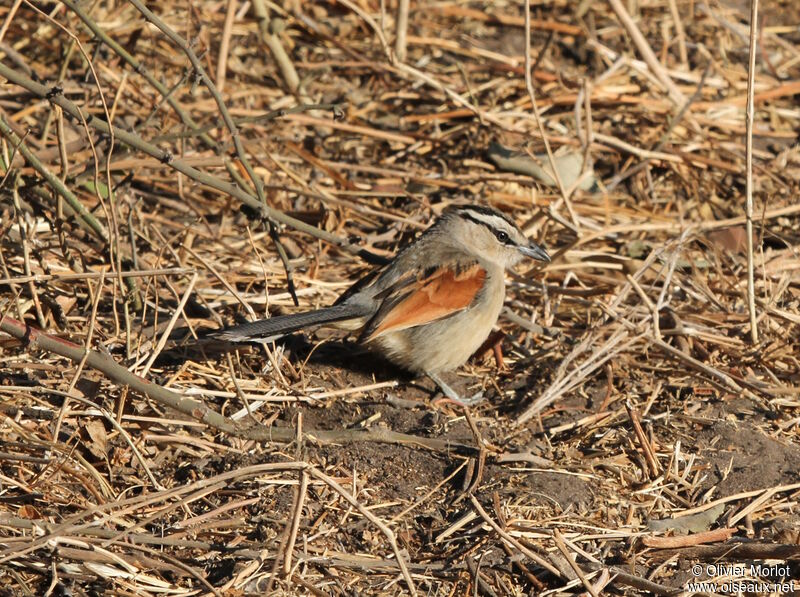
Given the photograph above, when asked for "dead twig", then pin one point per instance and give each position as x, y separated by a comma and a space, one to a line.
751, 67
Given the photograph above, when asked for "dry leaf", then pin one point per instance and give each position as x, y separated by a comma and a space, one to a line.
97, 434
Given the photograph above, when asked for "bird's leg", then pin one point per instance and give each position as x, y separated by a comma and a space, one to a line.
451, 394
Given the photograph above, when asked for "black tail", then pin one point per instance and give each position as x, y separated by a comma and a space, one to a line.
281, 325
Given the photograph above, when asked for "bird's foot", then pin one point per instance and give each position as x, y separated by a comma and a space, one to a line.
452, 396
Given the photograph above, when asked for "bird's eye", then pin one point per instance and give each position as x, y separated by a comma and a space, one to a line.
501, 236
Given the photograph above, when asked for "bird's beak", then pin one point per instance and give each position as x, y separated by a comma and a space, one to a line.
535, 251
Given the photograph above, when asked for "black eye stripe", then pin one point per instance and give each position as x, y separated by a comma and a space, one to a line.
507, 240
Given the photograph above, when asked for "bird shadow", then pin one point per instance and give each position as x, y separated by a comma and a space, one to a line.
337, 353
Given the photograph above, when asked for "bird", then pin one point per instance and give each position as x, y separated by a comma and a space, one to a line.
433, 305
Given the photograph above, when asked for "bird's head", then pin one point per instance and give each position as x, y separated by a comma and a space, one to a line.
489, 234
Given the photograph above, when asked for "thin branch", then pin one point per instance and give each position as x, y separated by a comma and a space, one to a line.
215, 93
54, 181
224, 45
537, 116
269, 29
166, 93
506, 537
200, 412
55, 96
675, 94
317, 474
401, 31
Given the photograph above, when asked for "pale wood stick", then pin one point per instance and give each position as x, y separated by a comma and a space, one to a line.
749, 111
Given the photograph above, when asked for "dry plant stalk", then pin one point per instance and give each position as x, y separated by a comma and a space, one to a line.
751, 67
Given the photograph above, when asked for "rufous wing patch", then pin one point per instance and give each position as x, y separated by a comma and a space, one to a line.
444, 292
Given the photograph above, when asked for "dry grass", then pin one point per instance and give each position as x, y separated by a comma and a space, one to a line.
623, 390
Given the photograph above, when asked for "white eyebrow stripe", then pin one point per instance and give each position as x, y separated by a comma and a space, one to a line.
495, 222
